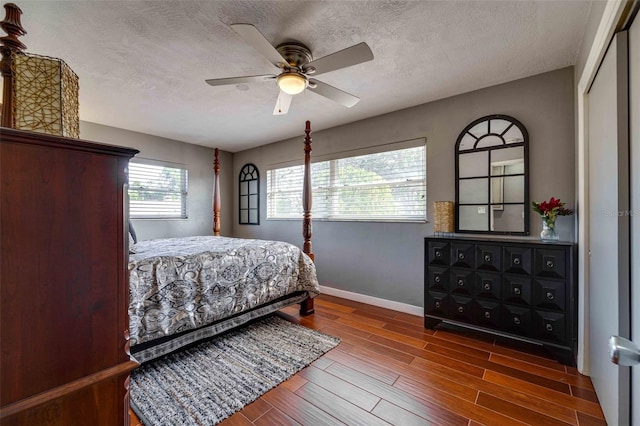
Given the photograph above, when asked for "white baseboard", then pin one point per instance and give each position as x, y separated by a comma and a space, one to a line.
375, 301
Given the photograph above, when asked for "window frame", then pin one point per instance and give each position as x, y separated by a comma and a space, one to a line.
331, 159
183, 192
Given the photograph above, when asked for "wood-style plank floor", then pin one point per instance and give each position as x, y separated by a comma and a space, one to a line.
388, 369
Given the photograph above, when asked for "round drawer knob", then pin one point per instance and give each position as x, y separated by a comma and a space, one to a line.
487, 314
487, 258
487, 286
549, 327
549, 263
460, 283
460, 309
438, 254
516, 321
517, 291
436, 278
437, 304
516, 261
461, 256
550, 295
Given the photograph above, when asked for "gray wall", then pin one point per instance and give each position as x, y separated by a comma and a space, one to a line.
385, 260
199, 162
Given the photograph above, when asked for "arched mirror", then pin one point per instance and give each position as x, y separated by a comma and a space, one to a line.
249, 193
492, 177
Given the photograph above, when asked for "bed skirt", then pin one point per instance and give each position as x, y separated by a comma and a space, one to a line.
148, 351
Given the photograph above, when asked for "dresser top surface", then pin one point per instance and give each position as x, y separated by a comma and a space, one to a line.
500, 240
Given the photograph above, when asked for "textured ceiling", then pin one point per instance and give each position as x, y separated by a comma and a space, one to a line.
142, 64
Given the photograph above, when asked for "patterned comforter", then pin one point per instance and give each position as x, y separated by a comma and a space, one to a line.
180, 284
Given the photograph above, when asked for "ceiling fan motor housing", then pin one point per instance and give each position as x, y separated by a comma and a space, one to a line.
296, 54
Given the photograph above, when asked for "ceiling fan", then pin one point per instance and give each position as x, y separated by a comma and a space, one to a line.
296, 64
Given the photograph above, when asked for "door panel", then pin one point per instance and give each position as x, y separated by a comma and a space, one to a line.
609, 230
634, 129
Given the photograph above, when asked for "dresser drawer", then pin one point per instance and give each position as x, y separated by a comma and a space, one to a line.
438, 279
463, 281
549, 326
549, 294
516, 320
462, 308
437, 304
549, 263
488, 285
517, 260
516, 290
438, 253
488, 257
463, 255
487, 314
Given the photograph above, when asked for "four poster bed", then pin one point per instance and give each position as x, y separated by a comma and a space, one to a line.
183, 290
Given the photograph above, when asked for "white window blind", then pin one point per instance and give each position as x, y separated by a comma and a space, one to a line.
157, 191
387, 185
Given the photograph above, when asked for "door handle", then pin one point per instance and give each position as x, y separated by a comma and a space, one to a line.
623, 352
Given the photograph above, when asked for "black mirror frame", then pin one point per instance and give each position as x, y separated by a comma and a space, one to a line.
248, 173
525, 144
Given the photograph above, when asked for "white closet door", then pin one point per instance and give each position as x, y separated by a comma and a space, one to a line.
609, 231
634, 133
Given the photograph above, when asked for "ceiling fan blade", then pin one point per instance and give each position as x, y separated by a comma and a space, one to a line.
336, 95
239, 80
282, 104
344, 58
251, 35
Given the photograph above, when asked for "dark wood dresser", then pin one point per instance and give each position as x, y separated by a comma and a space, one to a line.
521, 289
63, 281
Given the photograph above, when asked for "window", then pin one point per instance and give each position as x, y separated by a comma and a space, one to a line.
157, 191
388, 185
249, 193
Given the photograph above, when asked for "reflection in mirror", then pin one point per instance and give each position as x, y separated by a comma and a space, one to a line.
473, 164
473, 218
492, 177
473, 191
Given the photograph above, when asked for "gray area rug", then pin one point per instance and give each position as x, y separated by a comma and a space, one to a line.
205, 384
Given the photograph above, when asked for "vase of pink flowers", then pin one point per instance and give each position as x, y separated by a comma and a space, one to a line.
549, 212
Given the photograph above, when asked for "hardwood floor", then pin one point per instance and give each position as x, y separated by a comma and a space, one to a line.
388, 369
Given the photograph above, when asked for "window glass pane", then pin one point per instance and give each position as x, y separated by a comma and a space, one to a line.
253, 216
244, 188
157, 191
385, 186
253, 187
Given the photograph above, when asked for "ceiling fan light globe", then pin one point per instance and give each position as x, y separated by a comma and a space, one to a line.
291, 83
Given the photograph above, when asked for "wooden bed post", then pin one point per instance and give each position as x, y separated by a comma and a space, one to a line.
10, 45
216, 194
306, 307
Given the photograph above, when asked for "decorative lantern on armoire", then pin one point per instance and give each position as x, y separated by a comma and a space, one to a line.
40, 93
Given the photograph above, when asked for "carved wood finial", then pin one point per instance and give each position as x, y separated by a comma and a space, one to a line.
216, 194
9, 45
307, 229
